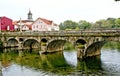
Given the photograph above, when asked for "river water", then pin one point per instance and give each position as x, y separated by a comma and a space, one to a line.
60, 64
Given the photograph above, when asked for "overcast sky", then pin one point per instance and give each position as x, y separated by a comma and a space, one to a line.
61, 10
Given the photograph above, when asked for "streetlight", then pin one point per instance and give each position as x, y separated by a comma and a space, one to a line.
20, 25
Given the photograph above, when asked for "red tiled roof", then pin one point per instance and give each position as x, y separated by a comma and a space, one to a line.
29, 26
46, 21
14, 22
25, 21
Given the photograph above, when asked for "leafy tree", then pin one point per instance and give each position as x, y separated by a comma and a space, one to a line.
62, 27
84, 24
77, 28
117, 23
102, 23
111, 22
108, 23
68, 24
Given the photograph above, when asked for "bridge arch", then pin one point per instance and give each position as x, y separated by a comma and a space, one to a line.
81, 41
44, 40
30, 44
94, 49
12, 42
56, 45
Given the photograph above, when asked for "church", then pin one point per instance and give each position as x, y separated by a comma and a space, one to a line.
40, 24
24, 25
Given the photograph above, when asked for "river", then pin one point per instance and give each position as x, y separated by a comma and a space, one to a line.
60, 64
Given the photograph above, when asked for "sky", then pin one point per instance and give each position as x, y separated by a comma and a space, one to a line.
61, 10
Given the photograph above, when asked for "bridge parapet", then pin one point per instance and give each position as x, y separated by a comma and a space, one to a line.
96, 33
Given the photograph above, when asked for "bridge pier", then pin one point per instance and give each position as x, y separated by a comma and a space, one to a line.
44, 49
80, 53
20, 46
4, 44
81, 48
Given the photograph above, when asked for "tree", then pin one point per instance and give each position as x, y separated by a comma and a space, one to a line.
117, 23
62, 27
84, 24
111, 22
68, 24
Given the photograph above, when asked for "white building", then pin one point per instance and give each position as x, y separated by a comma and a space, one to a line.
24, 25
42, 24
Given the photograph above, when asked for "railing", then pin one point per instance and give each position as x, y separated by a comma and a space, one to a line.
94, 32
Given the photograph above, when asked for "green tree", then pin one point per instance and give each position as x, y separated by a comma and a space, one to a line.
68, 24
111, 22
117, 23
84, 24
62, 27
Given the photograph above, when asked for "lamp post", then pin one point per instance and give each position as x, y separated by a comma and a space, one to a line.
20, 25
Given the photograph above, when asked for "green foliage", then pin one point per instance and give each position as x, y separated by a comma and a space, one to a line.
55, 63
117, 22
80, 46
68, 46
112, 45
68, 25
77, 28
43, 43
82, 24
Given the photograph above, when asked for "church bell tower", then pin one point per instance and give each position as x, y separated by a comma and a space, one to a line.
29, 15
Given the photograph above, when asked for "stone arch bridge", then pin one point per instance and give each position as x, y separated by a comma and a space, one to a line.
87, 42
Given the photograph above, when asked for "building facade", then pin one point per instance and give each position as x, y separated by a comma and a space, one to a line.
39, 24
24, 25
42, 24
6, 24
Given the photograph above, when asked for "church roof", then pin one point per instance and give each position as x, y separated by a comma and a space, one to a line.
24, 21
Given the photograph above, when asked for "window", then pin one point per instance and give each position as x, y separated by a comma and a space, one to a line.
40, 22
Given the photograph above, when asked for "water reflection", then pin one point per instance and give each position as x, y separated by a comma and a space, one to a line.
64, 63
90, 66
54, 63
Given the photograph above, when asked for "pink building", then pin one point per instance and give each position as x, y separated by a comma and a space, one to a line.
42, 24
6, 24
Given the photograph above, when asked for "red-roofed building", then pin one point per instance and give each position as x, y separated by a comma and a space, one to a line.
24, 25
42, 24
6, 24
